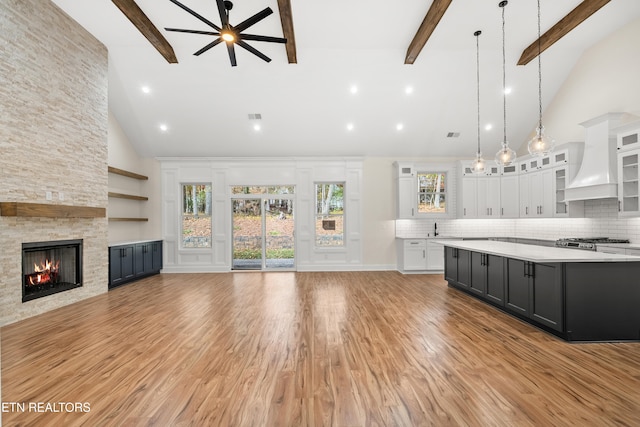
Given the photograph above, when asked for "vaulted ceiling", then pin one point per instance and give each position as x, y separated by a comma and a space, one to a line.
359, 84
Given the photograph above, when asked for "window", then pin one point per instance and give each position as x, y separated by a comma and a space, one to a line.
329, 215
196, 216
432, 195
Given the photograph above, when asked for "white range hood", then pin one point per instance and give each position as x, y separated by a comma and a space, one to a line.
597, 177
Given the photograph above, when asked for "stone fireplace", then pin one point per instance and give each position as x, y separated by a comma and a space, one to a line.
50, 267
54, 133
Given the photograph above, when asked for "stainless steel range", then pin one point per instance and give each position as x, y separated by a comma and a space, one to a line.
587, 243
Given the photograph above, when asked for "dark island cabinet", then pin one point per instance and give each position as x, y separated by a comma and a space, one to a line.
133, 261
487, 277
589, 301
495, 266
535, 291
457, 266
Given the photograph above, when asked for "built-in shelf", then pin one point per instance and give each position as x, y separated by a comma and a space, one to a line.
133, 175
127, 196
43, 210
123, 172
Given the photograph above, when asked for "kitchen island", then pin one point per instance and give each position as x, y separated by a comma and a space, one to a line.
576, 295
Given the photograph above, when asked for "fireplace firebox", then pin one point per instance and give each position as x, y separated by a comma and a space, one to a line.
50, 267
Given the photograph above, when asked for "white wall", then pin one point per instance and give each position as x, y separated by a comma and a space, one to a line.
605, 79
224, 173
122, 155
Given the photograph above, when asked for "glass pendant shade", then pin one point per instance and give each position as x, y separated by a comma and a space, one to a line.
479, 165
541, 144
506, 155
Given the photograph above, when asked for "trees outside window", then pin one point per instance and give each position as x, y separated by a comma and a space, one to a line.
432, 195
330, 214
196, 216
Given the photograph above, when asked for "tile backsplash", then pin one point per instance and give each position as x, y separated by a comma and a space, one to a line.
601, 220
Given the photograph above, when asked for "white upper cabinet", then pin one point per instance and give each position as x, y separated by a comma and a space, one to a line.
628, 137
628, 183
509, 192
628, 144
423, 190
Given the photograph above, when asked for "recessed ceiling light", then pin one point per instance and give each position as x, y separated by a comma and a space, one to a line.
349, 126
354, 89
164, 127
507, 90
408, 90
256, 127
399, 126
145, 89
489, 126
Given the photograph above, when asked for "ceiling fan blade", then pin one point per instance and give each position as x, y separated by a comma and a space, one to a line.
256, 38
200, 17
179, 30
223, 13
253, 50
232, 54
209, 46
254, 19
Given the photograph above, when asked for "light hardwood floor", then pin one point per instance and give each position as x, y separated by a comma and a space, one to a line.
317, 349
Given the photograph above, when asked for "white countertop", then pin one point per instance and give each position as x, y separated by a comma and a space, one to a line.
535, 253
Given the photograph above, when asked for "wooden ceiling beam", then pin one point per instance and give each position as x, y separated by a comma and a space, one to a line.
146, 27
286, 19
578, 15
431, 20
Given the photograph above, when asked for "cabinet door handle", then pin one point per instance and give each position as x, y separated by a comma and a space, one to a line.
532, 270
524, 269
501, 211
526, 210
424, 254
464, 212
619, 206
412, 212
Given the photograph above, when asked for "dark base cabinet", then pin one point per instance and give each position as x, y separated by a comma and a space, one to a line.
579, 301
134, 261
457, 266
535, 291
603, 301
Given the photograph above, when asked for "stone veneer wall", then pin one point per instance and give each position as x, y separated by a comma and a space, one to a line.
53, 137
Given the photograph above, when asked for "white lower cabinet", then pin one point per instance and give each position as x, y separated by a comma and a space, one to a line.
435, 256
419, 255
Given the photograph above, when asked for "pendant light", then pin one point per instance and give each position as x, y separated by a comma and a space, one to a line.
506, 155
540, 144
478, 166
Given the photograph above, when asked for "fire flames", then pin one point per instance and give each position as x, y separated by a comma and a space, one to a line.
44, 273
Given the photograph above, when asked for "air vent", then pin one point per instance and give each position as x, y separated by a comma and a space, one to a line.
256, 116
453, 134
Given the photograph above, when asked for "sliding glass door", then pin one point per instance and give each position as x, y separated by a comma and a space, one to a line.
263, 228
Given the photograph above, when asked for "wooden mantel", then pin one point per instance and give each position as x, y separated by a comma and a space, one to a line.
50, 211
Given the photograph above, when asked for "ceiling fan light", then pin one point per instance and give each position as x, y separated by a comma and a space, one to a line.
228, 36
541, 144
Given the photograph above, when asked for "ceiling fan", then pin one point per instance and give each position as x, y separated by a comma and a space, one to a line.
230, 34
